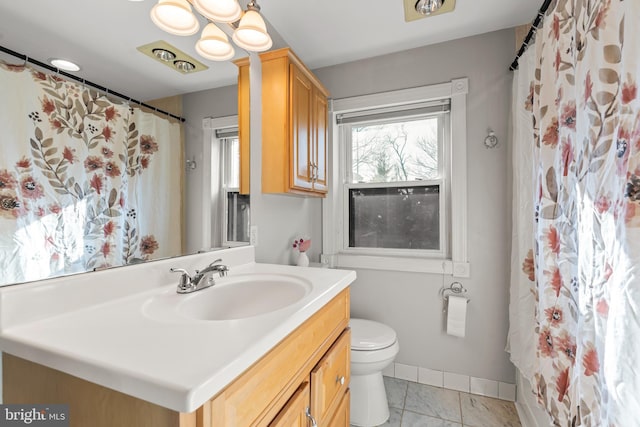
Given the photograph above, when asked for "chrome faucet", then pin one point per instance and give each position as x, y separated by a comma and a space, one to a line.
202, 279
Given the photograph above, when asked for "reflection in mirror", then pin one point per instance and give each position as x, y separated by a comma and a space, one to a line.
86, 182
113, 62
236, 206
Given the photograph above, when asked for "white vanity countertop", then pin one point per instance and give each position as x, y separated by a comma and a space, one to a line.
176, 364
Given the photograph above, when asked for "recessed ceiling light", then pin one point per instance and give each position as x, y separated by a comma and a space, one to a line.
172, 57
164, 55
184, 66
427, 7
63, 64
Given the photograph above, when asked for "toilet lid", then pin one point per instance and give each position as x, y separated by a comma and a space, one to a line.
370, 335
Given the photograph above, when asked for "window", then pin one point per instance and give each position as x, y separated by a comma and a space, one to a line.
235, 205
395, 178
398, 196
395, 217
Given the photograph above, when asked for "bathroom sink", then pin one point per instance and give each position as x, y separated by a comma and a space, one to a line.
233, 297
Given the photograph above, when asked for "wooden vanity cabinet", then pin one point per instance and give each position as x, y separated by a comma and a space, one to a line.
326, 396
308, 369
330, 380
294, 126
341, 414
294, 413
316, 353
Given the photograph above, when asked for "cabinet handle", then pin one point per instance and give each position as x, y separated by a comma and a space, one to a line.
314, 171
313, 420
340, 379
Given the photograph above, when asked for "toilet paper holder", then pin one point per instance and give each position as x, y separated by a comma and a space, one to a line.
455, 288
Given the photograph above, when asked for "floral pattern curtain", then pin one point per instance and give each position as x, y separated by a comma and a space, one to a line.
583, 269
85, 183
522, 340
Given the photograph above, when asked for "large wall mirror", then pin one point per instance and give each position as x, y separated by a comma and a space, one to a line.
125, 192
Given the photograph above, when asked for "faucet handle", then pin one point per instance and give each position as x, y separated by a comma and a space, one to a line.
185, 278
180, 270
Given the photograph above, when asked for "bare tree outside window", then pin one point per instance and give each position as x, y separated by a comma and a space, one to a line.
395, 152
427, 158
404, 211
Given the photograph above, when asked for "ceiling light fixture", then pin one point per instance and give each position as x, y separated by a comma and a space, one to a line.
164, 55
172, 57
184, 66
214, 44
223, 11
175, 17
427, 7
250, 31
63, 64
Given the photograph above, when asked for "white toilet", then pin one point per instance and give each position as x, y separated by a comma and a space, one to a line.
373, 348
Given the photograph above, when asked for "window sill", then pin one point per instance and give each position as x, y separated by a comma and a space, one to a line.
406, 264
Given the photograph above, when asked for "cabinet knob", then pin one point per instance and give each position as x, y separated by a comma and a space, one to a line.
340, 379
313, 420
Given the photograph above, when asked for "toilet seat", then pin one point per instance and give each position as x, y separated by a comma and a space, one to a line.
367, 335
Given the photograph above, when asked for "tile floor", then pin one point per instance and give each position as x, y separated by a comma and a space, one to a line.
418, 405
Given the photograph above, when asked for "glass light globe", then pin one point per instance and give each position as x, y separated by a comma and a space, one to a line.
252, 34
225, 11
214, 44
175, 17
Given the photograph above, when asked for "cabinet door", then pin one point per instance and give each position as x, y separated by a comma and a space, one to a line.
320, 112
341, 415
330, 379
301, 129
294, 413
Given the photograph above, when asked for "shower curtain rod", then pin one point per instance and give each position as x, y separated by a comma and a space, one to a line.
87, 82
532, 32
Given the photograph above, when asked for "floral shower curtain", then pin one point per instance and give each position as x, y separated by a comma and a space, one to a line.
85, 183
522, 338
576, 289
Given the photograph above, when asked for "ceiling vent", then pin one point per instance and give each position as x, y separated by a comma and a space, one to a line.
172, 57
411, 14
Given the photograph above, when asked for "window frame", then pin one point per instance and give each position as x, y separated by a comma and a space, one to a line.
225, 189
345, 148
454, 260
212, 207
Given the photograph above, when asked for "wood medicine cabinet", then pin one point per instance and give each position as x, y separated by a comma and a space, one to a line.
294, 126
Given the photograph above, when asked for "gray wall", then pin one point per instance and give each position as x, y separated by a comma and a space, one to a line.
409, 302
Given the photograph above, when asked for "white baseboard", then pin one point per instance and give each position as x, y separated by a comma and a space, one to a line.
453, 381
